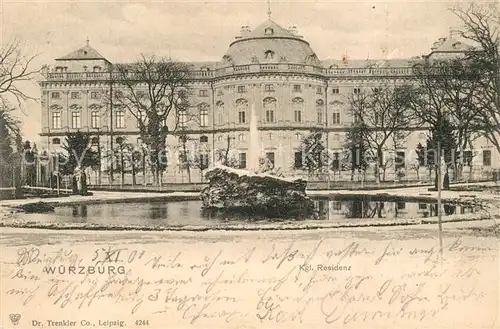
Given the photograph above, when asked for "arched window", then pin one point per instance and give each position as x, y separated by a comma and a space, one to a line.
94, 119
203, 139
182, 118
220, 112
320, 111
242, 107
203, 109
269, 108
76, 120
56, 141
298, 106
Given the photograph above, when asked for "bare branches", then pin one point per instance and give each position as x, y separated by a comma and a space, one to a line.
15, 68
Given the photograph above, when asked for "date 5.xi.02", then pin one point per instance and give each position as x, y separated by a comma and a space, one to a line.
142, 322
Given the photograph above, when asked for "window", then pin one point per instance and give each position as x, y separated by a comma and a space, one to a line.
95, 141
119, 140
182, 118
268, 31
297, 88
269, 87
422, 206
75, 120
203, 108
467, 158
242, 106
269, 107
319, 90
203, 139
401, 205
94, 119
335, 91
55, 95
242, 160
120, 119
141, 118
203, 160
336, 118
486, 158
297, 163
400, 160
241, 137
241, 89
56, 120
319, 111
336, 161
270, 157
97, 69
241, 117
270, 136
75, 95
94, 94
56, 141
297, 116
298, 136
357, 91
298, 106
203, 93
337, 205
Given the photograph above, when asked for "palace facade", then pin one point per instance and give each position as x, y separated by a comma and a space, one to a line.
270, 67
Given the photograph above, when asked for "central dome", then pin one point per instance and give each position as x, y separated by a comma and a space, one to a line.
269, 43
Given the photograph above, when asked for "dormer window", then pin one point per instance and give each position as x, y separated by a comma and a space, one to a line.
269, 54
268, 31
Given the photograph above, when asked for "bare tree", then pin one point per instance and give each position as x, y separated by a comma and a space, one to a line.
15, 68
481, 26
154, 91
384, 115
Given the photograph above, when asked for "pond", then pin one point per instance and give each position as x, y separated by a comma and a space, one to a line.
181, 213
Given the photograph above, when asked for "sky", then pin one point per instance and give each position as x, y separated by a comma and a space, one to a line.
202, 30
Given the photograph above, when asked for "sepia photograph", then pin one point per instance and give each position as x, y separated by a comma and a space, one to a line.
249, 164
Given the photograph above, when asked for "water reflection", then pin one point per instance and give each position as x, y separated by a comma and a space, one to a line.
191, 212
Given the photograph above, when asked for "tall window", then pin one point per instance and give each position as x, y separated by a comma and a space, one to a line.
336, 118
120, 119
141, 117
75, 120
241, 107
270, 157
319, 90
297, 164
220, 111
298, 106
94, 119
486, 158
203, 108
320, 110
269, 108
56, 120
242, 160
336, 161
182, 118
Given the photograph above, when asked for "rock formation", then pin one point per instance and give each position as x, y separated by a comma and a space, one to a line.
233, 191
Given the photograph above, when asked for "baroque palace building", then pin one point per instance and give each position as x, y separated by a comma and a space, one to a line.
270, 67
